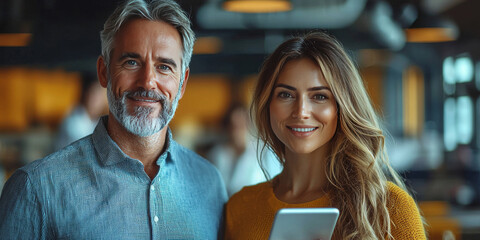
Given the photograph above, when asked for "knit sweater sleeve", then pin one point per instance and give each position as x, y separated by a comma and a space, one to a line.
404, 215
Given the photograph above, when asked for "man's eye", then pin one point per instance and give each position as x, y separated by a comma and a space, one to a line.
130, 63
164, 68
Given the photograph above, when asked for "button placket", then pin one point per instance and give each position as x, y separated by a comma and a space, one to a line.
152, 189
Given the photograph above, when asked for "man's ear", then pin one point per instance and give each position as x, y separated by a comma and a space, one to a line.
185, 80
102, 72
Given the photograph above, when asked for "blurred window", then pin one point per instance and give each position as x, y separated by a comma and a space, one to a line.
464, 119
450, 133
449, 75
464, 69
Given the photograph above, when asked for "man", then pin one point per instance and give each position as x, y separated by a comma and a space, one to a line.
129, 179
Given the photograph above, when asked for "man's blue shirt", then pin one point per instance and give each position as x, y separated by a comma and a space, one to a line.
92, 190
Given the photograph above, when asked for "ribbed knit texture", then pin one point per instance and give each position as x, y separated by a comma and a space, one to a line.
250, 213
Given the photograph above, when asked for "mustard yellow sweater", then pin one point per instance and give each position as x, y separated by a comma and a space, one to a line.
250, 213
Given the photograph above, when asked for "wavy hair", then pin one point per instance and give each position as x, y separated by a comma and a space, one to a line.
167, 11
357, 167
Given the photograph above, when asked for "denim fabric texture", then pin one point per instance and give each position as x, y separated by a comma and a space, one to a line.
92, 190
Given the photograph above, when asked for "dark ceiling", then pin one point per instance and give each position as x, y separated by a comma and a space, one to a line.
66, 33
467, 16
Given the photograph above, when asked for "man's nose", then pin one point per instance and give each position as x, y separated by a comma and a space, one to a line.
149, 77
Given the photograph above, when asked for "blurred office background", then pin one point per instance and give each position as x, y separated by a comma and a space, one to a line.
420, 60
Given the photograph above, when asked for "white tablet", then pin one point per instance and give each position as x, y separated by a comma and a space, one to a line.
304, 223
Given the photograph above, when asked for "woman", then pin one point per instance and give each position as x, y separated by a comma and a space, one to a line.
312, 110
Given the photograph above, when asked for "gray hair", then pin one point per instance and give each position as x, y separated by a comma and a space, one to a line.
167, 11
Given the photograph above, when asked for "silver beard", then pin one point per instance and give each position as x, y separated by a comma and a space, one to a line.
140, 123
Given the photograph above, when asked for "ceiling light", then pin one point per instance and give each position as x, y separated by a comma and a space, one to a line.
15, 39
429, 28
257, 6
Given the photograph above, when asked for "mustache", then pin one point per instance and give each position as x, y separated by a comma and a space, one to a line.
152, 94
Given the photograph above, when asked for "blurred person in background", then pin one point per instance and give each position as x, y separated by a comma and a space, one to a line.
312, 110
236, 155
129, 179
81, 121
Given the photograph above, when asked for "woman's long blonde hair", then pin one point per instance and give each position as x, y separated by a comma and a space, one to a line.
355, 168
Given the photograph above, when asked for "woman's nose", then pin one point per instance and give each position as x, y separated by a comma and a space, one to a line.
302, 110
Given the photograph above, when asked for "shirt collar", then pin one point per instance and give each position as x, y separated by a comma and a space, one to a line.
110, 153
166, 156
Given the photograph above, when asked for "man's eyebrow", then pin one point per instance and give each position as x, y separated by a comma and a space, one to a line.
129, 55
168, 61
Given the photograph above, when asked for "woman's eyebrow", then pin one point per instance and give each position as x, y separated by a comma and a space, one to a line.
285, 86
319, 88
310, 89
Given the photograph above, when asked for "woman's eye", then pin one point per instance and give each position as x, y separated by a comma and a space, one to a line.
319, 97
284, 95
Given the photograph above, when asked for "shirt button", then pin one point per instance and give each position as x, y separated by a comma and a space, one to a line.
155, 219
152, 188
